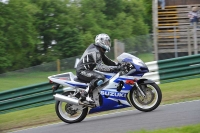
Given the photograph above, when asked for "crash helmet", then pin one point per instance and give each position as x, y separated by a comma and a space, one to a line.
103, 40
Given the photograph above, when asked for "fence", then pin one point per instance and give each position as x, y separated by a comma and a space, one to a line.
161, 71
180, 41
26, 97
173, 35
174, 69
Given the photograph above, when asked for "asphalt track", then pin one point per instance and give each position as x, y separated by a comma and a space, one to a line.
171, 115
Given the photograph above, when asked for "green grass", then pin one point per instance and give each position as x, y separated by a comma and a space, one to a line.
184, 129
172, 92
146, 57
17, 80
181, 90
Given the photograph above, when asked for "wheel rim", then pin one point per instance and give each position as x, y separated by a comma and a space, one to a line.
149, 101
63, 111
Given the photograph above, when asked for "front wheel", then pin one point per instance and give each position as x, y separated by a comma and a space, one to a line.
148, 103
70, 113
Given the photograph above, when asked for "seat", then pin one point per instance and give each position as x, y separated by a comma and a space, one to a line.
78, 80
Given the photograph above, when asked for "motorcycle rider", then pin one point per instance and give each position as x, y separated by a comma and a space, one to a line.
94, 56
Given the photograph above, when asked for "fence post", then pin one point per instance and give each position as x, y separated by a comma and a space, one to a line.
175, 42
115, 49
189, 41
58, 65
155, 27
195, 38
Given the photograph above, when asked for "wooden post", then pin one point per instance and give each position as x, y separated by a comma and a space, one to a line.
115, 48
175, 43
189, 42
155, 27
195, 38
58, 66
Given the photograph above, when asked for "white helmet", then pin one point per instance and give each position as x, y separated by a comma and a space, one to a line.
103, 40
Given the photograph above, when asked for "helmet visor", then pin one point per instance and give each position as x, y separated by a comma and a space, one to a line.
107, 42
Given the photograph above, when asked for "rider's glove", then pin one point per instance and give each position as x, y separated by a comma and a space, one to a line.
125, 67
116, 69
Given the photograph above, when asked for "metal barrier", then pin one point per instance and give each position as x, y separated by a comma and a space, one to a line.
171, 70
163, 71
26, 97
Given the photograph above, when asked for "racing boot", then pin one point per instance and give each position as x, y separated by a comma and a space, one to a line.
88, 93
84, 94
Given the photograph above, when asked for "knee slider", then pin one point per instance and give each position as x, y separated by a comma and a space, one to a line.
99, 82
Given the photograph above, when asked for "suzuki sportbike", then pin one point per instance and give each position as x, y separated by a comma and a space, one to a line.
120, 90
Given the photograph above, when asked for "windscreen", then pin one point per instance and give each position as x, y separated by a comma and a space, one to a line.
121, 57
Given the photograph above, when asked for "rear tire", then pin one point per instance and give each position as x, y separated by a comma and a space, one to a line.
66, 112
150, 102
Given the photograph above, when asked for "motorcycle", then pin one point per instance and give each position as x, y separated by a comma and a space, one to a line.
120, 90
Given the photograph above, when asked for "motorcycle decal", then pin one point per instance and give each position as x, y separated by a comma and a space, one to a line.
108, 76
114, 90
77, 85
114, 94
121, 101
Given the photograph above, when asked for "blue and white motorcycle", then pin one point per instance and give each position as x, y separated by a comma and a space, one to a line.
120, 90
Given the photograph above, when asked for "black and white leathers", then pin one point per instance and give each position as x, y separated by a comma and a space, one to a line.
92, 58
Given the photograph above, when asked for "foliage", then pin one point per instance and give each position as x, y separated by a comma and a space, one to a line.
18, 33
38, 31
70, 43
148, 13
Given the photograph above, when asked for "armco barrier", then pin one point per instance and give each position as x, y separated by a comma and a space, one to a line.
26, 97
19, 92
174, 69
188, 66
163, 71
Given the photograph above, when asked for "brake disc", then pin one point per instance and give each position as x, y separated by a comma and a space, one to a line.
70, 109
148, 98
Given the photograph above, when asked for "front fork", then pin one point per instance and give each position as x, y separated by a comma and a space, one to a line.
140, 90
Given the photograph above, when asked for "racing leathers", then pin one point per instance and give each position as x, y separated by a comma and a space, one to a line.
94, 57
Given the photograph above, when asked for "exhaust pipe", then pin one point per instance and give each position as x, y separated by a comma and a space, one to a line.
66, 99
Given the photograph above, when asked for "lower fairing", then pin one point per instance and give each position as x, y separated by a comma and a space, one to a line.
110, 103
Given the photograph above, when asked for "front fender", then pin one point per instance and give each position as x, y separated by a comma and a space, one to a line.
145, 81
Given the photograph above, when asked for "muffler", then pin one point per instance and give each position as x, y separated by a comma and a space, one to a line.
66, 99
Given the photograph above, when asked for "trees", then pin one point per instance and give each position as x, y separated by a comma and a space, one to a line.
70, 43
148, 11
18, 33
4, 58
36, 31
49, 19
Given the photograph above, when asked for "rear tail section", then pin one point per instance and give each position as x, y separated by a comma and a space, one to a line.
67, 79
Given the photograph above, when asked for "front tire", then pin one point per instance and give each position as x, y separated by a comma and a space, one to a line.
70, 113
150, 102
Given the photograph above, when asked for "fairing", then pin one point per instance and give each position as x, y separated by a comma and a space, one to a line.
139, 65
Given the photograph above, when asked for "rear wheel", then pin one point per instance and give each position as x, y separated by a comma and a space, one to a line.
148, 103
70, 113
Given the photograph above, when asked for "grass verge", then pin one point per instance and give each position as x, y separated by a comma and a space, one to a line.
17, 79
172, 92
184, 129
